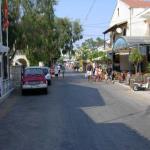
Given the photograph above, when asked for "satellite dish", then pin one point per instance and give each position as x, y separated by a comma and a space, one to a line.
119, 30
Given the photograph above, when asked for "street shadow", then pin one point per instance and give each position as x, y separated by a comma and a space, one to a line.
34, 92
59, 122
81, 96
91, 135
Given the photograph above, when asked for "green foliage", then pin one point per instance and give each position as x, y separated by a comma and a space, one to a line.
70, 32
135, 57
148, 67
60, 60
85, 54
93, 44
35, 29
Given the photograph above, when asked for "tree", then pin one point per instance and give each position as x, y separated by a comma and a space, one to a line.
38, 32
105, 59
14, 26
70, 32
136, 58
93, 44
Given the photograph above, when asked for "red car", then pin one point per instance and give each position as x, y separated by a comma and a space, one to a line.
32, 79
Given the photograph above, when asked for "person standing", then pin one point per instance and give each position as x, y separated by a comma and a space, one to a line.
96, 73
89, 71
63, 71
58, 68
56, 72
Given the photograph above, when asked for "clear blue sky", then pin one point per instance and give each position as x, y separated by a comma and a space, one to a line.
94, 15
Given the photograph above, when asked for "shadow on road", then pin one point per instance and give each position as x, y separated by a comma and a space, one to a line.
57, 122
89, 134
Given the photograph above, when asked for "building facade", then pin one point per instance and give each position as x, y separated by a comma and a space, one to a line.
5, 82
129, 27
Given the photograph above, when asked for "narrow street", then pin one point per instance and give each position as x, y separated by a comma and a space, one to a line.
76, 115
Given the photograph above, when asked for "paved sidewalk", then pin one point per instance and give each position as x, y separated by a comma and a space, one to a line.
145, 93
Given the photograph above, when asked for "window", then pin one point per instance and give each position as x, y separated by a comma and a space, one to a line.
45, 71
33, 71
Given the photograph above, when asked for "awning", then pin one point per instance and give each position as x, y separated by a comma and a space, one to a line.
115, 26
3, 49
125, 42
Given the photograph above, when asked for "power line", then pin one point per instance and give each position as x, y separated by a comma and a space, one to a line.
94, 27
90, 10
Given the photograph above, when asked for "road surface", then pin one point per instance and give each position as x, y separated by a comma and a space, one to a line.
76, 115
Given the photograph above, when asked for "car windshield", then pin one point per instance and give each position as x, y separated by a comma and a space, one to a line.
33, 71
45, 71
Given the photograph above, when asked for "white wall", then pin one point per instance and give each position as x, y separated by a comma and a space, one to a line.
124, 13
138, 26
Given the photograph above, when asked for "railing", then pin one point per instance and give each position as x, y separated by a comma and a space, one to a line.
6, 86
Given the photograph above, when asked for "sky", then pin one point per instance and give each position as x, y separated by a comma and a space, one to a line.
94, 15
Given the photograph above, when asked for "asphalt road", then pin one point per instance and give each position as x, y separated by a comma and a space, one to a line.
76, 115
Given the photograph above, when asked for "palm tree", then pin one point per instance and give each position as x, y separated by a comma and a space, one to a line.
136, 58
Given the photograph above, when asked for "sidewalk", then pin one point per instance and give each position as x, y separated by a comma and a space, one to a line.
145, 93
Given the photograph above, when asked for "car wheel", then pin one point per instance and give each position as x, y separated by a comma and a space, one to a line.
135, 87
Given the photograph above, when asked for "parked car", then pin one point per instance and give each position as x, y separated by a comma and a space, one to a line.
33, 78
46, 71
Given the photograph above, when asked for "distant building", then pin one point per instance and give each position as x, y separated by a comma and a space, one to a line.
129, 27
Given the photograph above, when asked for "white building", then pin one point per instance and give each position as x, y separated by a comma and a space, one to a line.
5, 82
129, 27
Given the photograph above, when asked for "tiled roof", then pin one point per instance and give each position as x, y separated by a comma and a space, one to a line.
138, 3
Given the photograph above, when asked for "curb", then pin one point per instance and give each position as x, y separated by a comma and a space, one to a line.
126, 86
145, 94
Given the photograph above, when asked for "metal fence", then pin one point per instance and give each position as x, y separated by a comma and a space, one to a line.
6, 86
15, 75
